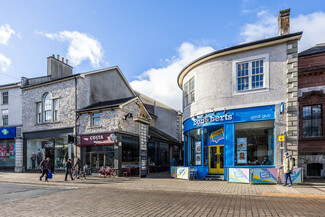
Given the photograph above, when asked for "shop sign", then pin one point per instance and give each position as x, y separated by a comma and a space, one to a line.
47, 144
239, 175
265, 175
143, 134
216, 136
8, 132
296, 175
182, 172
97, 139
173, 171
262, 113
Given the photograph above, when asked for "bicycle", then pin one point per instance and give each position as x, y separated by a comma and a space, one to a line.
78, 174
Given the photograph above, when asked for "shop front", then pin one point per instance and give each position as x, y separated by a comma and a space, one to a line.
98, 150
7, 148
53, 144
240, 138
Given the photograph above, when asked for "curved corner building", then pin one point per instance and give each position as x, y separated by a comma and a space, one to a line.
237, 102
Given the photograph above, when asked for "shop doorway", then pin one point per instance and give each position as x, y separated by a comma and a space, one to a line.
49, 152
216, 158
99, 159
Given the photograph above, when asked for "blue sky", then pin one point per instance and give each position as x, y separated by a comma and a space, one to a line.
151, 41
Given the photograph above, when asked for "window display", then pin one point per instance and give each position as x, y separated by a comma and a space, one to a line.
196, 147
7, 153
254, 143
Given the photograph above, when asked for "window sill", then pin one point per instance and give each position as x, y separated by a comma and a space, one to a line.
257, 90
93, 127
52, 122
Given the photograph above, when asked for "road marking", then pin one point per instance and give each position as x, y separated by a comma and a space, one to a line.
293, 195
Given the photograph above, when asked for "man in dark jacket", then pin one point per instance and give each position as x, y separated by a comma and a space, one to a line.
80, 167
44, 166
68, 167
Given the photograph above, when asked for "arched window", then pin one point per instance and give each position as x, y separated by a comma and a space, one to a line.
47, 102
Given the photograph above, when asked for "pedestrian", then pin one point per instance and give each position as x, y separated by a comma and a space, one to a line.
44, 166
287, 168
39, 157
68, 167
80, 167
33, 159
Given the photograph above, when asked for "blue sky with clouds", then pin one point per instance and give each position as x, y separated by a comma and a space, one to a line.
151, 41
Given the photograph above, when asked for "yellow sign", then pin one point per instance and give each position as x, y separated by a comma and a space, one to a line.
281, 138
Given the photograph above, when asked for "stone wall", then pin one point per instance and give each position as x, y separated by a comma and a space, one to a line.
292, 99
64, 90
129, 125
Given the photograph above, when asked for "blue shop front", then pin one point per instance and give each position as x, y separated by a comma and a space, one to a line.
239, 138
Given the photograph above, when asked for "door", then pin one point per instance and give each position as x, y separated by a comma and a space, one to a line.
216, 158
94, 162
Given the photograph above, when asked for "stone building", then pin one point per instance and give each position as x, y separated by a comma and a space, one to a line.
238, 100
11, 142
95, 116
311, 110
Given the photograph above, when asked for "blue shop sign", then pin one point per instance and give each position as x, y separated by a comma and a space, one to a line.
8, 132
231, 116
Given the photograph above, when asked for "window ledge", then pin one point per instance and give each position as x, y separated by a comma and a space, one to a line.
92, 127
257, 90
52, 122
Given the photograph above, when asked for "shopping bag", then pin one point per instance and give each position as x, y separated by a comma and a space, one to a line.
50, 175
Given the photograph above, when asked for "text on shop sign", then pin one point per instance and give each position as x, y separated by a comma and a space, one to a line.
212, 119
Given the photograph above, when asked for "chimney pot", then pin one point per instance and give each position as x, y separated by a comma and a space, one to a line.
66, 61
284, 22
53, 55
58, 57
63, 59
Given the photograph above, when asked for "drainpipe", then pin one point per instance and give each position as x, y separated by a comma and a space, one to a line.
77, 115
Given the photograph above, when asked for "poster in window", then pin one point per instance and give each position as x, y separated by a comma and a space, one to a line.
198, 147
12, 151
198, 159
3, 151
242, 157
241, 144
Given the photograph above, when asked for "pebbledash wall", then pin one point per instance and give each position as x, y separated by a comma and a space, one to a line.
228, 124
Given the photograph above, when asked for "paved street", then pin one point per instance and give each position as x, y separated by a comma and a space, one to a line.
102, 201
25, 195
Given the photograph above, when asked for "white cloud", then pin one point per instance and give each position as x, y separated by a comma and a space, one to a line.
5, 34
161, 83
312, 26
81, 47
4, 63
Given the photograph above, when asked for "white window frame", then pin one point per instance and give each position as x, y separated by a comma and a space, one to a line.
44, 107
92, 119
4, 116
39, 112
266, 79
187, 86
55, 110
2, 96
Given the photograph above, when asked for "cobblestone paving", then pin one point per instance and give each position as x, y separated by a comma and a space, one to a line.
98, 201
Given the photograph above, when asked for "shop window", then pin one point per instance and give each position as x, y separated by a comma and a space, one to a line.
96, 119
314, 169
164, 158
5, 97
7, 153
189, 92
250, 73
152, 154
312, 121
196, 147
186, 145
205, 147
47, 102
5, 120
130, 152
254, 143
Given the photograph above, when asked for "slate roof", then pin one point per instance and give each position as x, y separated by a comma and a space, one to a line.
106, 104
314, 50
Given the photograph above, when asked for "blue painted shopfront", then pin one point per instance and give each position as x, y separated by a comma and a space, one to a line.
218, 128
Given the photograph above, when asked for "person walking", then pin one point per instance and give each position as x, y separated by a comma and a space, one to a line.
80, 167
44, 166
39, 157
68, 167
287, 168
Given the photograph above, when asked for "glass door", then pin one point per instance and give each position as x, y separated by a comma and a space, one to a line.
216, 159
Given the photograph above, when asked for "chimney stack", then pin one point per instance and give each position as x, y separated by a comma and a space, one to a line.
66, 61
58, 69
284, 22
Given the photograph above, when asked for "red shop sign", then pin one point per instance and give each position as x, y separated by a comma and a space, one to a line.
98, 139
